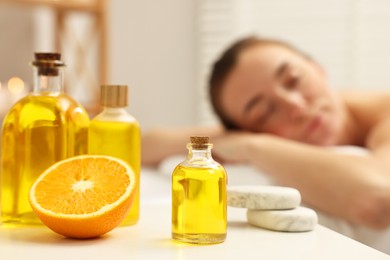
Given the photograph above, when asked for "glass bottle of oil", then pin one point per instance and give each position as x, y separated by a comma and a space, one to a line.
116, 133
42, 128
199, 196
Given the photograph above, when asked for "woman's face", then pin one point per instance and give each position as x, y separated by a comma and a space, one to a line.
275, 90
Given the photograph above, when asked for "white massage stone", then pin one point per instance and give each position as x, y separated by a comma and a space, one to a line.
263, 197
292, 220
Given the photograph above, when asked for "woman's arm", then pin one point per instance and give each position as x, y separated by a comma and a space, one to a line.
163, 142
355, 188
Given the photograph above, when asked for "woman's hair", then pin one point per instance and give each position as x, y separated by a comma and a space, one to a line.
225, 64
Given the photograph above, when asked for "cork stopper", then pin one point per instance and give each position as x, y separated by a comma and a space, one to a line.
114, 95
48, 63
200, 142
47, 56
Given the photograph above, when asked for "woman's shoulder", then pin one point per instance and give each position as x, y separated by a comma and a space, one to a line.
367, 99
368, 106
371, 110
368, 93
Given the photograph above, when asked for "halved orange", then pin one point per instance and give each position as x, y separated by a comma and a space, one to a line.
84, 196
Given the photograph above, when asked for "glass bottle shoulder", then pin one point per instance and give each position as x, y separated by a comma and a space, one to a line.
206, 164
34, 107
116, 115
200, 163
74, 110
69, 103
46, 107
60, 100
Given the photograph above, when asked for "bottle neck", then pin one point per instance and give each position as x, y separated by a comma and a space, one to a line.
48, 83
196, 154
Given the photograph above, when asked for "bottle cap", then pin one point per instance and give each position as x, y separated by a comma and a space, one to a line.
200, 142
48, 63
114, 95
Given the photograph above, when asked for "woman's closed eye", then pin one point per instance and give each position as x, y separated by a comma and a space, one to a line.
292, 81
292, 77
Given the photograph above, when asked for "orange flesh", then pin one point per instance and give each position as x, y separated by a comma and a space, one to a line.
85, 186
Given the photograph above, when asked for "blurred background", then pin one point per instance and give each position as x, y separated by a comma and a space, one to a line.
163, 49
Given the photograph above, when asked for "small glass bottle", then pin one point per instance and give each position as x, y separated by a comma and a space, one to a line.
115, 132
199, 196
42, 128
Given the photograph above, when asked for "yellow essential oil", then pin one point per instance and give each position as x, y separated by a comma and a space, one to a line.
39, 130
116, 133
199, 197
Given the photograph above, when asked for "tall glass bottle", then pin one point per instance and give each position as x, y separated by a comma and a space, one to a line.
42, 128
199, 196
116, 133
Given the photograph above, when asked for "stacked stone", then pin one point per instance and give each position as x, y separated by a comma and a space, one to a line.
273, 207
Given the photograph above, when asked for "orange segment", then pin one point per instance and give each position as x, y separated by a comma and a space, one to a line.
84, 196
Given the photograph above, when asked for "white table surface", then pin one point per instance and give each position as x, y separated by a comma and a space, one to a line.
151, 238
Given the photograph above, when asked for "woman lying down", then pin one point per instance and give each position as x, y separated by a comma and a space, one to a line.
280, 115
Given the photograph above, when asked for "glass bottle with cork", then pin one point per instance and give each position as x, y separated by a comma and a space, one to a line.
115, 132
199, 196
42, 128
